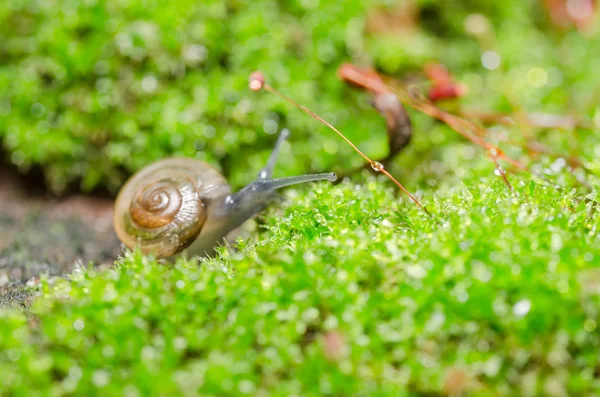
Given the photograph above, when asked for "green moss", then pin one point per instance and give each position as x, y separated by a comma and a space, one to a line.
346, 291
95, 90
92, 91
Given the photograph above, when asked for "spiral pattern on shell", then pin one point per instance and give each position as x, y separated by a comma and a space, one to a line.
161, 208
156, 205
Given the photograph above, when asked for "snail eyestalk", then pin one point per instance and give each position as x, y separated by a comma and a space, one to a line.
257, 81
255, 196
267, 171
294, 180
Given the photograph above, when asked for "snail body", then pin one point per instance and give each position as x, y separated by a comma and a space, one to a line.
179, 203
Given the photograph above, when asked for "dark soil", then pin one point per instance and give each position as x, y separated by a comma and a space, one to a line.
47, 235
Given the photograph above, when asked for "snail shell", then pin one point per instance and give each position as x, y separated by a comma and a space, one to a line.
164, 207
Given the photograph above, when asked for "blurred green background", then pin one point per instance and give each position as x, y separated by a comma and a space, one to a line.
91, 91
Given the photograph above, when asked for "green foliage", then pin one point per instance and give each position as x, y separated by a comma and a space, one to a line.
95, 90
92, 91
348, 291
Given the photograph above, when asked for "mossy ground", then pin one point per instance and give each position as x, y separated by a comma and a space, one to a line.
343, 290
347, 290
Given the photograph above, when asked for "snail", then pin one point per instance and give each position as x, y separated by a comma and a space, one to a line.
182, 203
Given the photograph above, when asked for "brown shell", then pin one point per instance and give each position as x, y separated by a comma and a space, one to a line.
161, 208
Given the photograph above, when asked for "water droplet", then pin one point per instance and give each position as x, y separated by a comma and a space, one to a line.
556, 242
463, 296
149, 83
490, 60
481, 272
246, 387
363, 340
436, 321
386, 223
75, 372
377, 166
310, 314
493, 152
270, 126
100, 378
148, 353
522, 307
194, 53
37, 109
492, 366
180, 343
108, 351
78, 325
589, 325
476, 24
416, 271
537, 77
563, 286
